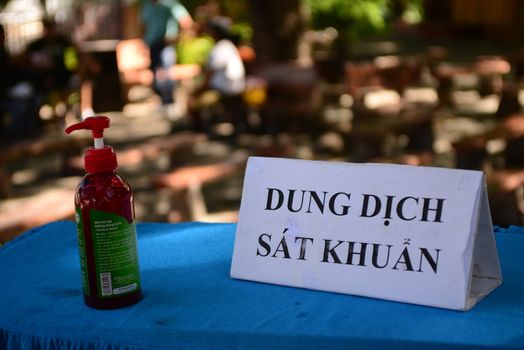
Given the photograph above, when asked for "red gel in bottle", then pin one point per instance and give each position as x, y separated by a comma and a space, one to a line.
105, 226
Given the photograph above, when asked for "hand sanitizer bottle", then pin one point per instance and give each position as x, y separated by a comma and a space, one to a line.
105, 226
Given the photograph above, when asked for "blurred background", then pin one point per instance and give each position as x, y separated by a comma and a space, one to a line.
194, 87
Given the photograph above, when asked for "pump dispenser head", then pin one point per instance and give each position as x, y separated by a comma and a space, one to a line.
98, 158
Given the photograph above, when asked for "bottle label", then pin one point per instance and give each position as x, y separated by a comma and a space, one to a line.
82, 250
115, 253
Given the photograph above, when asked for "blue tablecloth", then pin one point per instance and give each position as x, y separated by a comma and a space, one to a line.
190, 302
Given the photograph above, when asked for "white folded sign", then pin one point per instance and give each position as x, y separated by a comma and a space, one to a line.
418, 235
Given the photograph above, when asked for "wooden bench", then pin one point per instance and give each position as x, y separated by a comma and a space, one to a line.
505, 183
65, 146
41, 146
19, 215
506, 196
185, 184
390, 72
178, 146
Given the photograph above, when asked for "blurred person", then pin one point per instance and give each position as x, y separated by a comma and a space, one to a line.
224, 69
224, 75
163, 20
51, 60
18, 107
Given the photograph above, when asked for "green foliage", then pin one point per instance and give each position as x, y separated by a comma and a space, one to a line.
244, 31
71, 60
414, 11
352, 18
238, 10
194, 50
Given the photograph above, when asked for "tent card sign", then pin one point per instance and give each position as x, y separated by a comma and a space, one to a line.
410, 234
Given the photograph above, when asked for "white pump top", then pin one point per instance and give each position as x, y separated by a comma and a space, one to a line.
99, 143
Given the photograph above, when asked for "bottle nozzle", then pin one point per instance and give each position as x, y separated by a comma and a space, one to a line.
96, 125
100, 158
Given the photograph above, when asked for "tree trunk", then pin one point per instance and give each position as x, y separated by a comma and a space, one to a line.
277, 27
